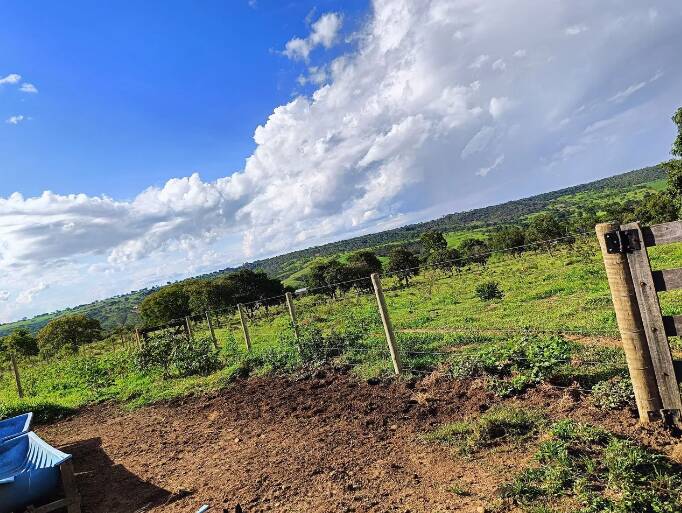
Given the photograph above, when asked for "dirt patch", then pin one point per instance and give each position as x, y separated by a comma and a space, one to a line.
314, 443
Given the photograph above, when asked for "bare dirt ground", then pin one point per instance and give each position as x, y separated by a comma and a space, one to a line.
322, 442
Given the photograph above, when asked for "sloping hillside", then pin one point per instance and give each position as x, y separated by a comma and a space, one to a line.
118, 310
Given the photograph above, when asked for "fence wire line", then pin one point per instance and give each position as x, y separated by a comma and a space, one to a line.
391, 273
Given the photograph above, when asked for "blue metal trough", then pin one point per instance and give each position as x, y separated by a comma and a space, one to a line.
29, 472
10, 428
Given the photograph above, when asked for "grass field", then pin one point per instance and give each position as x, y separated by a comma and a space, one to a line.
437, 315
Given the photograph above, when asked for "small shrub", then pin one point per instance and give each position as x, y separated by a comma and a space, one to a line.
44, 412
514, 365
613, 394
177, 354
488, 291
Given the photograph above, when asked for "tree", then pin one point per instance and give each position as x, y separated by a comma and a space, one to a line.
362, 264
205, 295
68, 333
403, 263
20, 342
474, 251
445, 259
248, 287
433, 240
506, 238
674, 166
657, 208
330, 275
164, 305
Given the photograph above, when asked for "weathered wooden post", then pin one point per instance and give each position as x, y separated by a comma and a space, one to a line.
188, 327
388, 326
210, 327
292, 313
137, 337
17, 377
245, 327
630, 326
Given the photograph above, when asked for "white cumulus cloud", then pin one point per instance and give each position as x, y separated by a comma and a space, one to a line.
324, 32
397, 131
12, 78
15, 120
28, 88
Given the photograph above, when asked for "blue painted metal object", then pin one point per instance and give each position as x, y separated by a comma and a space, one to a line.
29, 472
9, 428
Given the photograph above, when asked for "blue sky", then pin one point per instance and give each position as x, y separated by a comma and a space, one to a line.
145, 142
134, 93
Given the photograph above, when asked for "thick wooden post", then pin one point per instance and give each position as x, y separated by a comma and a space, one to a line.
652, 320
388, 326
17, 377
210, 327
631, 327
245, 327
137, 337
292, 313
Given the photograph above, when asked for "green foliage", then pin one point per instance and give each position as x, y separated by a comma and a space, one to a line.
43, 412
403, 263
67, 334
545, 227
433, 240
657, 208
614, 393
177, 354
474, 251
489, 290
164, 305
506, 238
600, 472
514, 365
445, 259
20, 342
498, 425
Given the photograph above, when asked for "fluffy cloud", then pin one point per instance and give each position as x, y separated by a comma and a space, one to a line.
12, 78
402, 128
26, 296
324, 32
28, 88
15, 120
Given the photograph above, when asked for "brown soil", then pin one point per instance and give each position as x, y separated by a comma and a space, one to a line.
314, 443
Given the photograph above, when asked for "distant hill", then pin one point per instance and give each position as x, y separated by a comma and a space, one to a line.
119, 310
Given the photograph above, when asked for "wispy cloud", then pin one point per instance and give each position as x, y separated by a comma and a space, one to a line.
12, 78
15, 120
485, 170
26, 296
28, 88
4, 295
574, 30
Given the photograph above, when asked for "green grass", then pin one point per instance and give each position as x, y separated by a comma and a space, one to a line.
584, 469
496, 426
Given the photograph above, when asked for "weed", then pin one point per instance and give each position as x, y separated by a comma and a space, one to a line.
603, 473
489, 290
498, 425
614, 393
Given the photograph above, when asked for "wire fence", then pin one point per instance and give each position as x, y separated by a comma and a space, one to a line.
438, 316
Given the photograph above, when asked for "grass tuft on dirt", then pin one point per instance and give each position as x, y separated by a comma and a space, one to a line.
496, 426
578, 464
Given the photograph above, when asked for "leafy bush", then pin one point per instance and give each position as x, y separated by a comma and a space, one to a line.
488, 291
177, 354
492, 428
67, 333
515, 364
601, 472
614, 393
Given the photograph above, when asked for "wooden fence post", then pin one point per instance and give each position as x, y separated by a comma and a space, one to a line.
210, 327
188, 326
388, 326
652, 321
245, 327
630, 326
15, 367
292, 313
137, 337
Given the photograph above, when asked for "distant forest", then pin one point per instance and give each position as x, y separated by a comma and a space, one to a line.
120, 310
